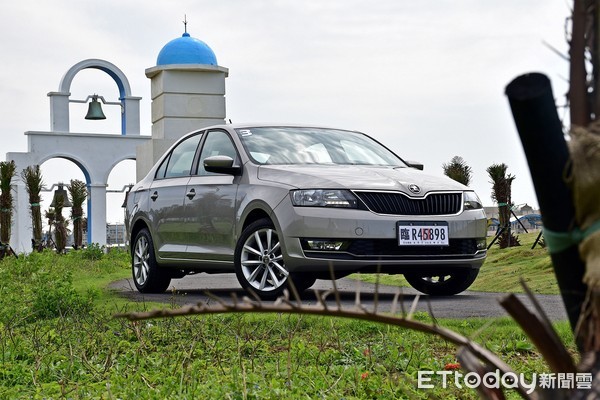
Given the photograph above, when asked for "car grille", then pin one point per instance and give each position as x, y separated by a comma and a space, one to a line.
376, 249
400, 204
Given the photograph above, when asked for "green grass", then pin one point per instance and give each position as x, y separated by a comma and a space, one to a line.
502, 270
58, 339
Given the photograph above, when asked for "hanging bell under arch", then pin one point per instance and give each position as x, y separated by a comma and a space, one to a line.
95, 110
61, 197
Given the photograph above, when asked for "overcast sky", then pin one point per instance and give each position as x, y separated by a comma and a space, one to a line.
426, 78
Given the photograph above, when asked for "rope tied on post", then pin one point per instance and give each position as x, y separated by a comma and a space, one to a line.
560, 241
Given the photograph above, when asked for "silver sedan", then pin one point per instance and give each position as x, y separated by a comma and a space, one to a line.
286, 205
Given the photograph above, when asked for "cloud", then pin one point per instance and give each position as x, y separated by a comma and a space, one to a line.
425, 78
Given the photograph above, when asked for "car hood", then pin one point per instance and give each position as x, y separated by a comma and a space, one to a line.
356, 177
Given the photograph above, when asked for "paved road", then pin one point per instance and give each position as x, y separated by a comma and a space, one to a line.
190, 290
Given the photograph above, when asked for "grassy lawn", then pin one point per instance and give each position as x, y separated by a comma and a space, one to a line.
58, 339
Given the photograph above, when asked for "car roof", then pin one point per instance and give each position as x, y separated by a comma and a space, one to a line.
273, 125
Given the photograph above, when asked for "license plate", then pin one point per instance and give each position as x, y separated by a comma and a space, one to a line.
423, 234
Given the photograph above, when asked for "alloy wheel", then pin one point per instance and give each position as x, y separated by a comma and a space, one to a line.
262, 261
141, 265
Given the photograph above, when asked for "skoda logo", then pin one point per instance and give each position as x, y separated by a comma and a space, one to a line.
414, 188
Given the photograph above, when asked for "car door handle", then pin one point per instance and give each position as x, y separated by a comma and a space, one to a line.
191, 194
154, 196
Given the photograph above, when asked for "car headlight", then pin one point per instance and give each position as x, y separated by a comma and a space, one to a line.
323, 198
471, 201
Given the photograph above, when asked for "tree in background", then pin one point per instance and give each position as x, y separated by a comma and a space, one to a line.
49, 215
501, 194
78, 192
458, 170
7, 172
32, 176
60, 226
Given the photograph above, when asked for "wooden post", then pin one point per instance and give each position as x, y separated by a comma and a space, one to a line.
532, 104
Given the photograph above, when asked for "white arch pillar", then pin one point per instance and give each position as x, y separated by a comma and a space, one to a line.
59, 111
21, 233
131, 107
97, 213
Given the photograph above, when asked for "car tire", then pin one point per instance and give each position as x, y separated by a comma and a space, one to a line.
443, 284
148, 277
258, 261
302, 281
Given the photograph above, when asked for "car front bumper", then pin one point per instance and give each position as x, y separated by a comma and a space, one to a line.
360, 240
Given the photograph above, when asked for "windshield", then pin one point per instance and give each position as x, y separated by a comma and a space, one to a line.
289, 145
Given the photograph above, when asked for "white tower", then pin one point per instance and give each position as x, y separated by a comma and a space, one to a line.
188, 93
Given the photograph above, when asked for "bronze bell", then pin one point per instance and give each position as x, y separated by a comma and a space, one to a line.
61, 194
95, 109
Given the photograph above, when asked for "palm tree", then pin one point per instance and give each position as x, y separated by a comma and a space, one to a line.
78, 192
49, 215
60, 226
458, 170
7, 172
501, 194
32, 176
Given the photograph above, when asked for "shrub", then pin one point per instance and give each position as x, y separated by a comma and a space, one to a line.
92, 251
54, 296
39, 286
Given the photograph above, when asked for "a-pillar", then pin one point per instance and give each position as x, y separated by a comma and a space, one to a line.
97, 213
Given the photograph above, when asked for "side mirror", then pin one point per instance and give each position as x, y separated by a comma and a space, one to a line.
415, 165
221, 165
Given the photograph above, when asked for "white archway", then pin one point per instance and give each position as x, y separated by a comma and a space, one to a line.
95, 154
55, 171
59, 101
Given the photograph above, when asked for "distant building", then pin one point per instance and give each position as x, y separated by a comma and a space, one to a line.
115, 235
526, 209
523, 217
491, 212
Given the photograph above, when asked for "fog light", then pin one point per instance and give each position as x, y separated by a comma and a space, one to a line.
328, 245
481, 244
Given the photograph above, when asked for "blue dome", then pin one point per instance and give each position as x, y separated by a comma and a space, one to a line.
186, 50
